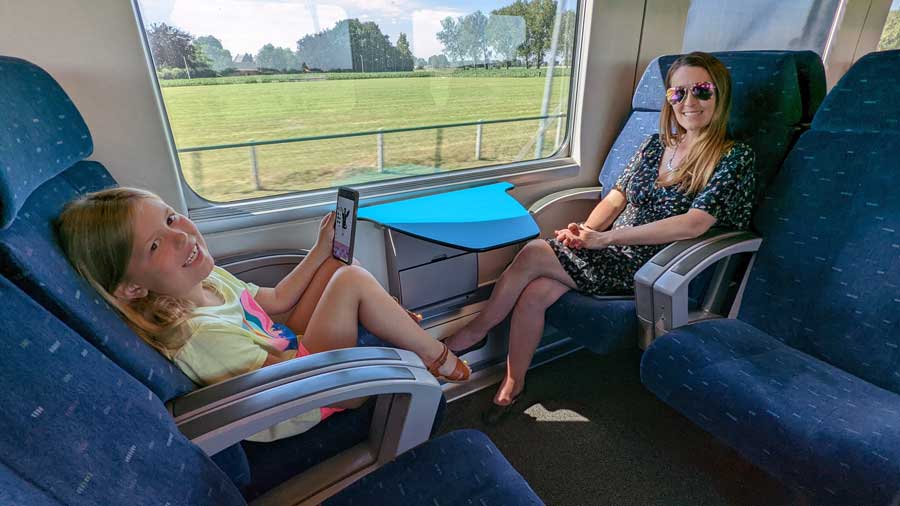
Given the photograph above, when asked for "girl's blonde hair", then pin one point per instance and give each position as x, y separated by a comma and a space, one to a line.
697, 167
96, 233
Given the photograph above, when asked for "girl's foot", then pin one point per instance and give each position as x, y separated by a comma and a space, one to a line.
449, 367
463, 339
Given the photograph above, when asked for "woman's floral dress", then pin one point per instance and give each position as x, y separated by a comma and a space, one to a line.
728, 197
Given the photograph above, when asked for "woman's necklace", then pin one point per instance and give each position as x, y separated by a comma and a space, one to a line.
669, 167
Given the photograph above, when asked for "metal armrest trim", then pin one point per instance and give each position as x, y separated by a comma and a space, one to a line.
220, 428
204, 399
670, 292
588, 193
647, 276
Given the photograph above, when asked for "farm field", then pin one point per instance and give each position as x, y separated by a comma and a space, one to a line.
213, 115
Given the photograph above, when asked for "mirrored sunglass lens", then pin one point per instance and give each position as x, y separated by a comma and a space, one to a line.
702, 91
675, 95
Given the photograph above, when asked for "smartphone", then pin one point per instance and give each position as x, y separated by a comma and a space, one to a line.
345, 224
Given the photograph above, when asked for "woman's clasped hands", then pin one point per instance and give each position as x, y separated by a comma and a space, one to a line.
578, 236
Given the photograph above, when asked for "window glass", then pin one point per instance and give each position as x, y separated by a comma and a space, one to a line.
267, 97
890, 36
725, 25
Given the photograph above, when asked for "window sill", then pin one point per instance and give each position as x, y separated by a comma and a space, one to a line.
223, 217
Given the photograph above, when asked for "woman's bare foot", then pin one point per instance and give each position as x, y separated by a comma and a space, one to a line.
462, 339
507, 392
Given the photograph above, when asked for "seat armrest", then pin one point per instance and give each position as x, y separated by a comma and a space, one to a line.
218, 428
210, 398
647, 276
670, 292
588, 193
408, 399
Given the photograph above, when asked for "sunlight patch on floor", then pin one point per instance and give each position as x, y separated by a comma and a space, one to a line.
542, 414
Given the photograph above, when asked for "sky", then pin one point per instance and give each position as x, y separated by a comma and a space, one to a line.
244, 26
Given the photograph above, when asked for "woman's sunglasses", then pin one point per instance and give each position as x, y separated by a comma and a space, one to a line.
703, 91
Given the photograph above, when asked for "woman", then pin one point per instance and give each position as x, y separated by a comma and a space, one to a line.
678, 184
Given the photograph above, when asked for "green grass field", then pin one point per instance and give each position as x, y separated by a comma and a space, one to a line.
216, 115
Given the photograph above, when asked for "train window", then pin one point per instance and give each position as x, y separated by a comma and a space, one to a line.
724, 25
267, 97
890, 36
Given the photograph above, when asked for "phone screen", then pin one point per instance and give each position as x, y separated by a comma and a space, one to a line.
345, 216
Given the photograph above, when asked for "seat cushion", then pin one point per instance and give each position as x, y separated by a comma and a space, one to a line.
810, 424
601, 325
460, 468
78, 427
31, 257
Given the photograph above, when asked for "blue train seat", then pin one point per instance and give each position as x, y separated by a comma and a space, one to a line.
43, 148
774, 94
805, 383
78, 430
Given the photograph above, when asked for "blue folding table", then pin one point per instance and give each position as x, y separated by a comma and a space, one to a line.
474, 219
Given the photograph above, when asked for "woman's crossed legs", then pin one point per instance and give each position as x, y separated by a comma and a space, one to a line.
532, 283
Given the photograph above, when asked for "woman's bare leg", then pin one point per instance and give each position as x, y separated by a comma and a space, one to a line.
536, 260
303, 310
353, 296
525, 332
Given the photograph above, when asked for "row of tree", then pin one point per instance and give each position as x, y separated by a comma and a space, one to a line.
350, 45
523, 29
519, 32
357, 46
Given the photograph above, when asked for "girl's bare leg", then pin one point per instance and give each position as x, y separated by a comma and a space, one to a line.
525, 332
353, 296
303, 310
536, 260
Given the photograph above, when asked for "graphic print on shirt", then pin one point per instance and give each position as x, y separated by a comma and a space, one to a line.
257, 321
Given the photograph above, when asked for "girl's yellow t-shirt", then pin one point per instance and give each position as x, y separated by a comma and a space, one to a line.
235, 338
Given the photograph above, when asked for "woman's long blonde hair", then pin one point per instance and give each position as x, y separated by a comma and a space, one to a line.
698, 165
96, 233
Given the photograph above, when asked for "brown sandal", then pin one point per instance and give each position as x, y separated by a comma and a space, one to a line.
460, 373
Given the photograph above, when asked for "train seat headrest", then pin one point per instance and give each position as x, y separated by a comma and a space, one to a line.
42, 133
865, 100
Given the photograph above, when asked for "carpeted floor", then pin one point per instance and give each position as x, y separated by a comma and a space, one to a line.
590, 434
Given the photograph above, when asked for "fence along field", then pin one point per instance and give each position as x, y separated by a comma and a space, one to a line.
227, 114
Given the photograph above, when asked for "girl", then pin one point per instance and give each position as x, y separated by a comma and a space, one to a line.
678, 184
153, 266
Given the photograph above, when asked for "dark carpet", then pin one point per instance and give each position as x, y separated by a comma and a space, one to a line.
593, 435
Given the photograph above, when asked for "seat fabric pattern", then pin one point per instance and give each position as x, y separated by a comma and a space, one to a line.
460, 468
826, 278
16, 491
806, 382
601, 325
816, 427
30, 256
640, 125
869, 90
810, 75
42, 133
83, 431
340, 432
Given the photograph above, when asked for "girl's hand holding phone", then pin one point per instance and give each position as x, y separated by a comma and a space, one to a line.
326, 235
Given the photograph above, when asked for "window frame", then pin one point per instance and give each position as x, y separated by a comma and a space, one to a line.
214, 216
